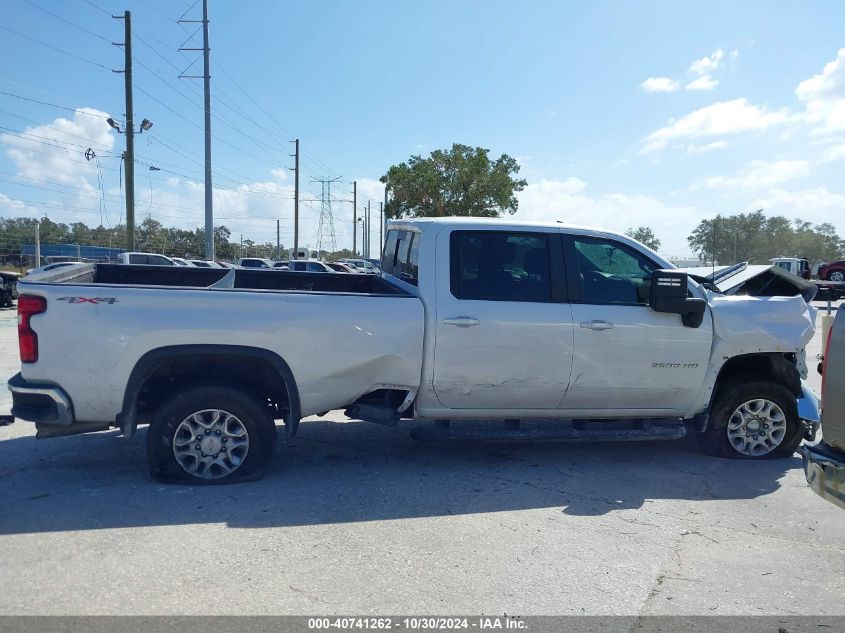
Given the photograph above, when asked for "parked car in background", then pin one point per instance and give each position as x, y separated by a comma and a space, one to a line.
48, 267
824, 463
145, 259
181, 261
254, 262
361, 265
281, 265
795, 265
8, 288
308, 266
338, 267
833, 271
201, 263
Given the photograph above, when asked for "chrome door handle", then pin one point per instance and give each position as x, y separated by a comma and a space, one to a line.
461, 321
596, 325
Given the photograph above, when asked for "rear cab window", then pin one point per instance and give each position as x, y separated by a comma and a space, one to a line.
401, 256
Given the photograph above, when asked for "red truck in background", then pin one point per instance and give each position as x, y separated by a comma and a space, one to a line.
833, 271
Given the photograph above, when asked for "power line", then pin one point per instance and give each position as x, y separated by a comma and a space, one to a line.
101, 9
58, 50
269, 115
76, 26
43, 140
53, 105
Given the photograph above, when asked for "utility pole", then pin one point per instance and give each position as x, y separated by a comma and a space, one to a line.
278, 242
38, 244
296, 201
355, 218
380, 226
206, 77
129, 156
369, 228
209, 211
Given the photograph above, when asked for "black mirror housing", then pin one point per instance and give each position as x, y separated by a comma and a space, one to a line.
668, 293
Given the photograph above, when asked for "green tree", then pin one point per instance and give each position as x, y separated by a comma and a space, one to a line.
644, 235
462, 181
756, 238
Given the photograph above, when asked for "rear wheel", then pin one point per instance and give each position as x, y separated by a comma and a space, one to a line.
211, 433
753, 420
836, 275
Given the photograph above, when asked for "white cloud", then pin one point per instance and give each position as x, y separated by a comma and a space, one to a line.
701, 71
813, 205
708, 65
16, 208
705, 82
761, 175
569, 201
660, 84
837, 152
719, 119
824, 95
56, 151
280, 174
697, 150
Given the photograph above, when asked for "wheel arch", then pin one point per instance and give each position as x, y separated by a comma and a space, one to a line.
776, 366
163, 370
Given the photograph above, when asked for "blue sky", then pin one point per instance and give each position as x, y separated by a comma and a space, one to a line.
621, 114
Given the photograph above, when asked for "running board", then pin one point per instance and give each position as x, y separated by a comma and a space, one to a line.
554, 430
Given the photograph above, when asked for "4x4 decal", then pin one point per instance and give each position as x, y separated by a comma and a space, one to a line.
94, 300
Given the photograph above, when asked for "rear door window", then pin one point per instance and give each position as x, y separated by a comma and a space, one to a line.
500, 266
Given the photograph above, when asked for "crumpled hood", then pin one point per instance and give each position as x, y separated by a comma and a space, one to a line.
745, 324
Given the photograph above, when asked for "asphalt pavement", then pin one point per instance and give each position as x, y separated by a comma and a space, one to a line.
355, 518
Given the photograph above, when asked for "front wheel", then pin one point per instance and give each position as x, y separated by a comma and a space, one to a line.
836, 275
210, 433
753, 420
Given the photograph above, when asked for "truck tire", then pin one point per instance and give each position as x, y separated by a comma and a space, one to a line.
836, 275
757, 419
210, 433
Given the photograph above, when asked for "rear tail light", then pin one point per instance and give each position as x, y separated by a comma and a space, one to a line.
28, 306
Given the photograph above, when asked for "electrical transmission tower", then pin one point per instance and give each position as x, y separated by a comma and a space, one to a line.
325, 232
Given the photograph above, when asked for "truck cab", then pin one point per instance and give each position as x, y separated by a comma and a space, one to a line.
145, 259
796, 265
254, 262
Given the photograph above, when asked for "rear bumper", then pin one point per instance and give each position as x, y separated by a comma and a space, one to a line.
824, 469
41, 403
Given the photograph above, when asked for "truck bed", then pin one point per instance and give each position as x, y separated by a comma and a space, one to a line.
341, 335
185, 277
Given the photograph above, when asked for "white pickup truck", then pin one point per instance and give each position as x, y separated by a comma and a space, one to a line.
560, 332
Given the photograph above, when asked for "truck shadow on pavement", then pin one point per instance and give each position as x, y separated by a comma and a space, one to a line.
341, 472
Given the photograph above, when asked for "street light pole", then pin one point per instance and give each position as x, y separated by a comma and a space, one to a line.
129, 157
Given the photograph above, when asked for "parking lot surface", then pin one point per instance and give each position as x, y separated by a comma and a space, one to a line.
359, 519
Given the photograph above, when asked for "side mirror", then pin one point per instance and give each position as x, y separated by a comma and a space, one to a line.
668, 293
